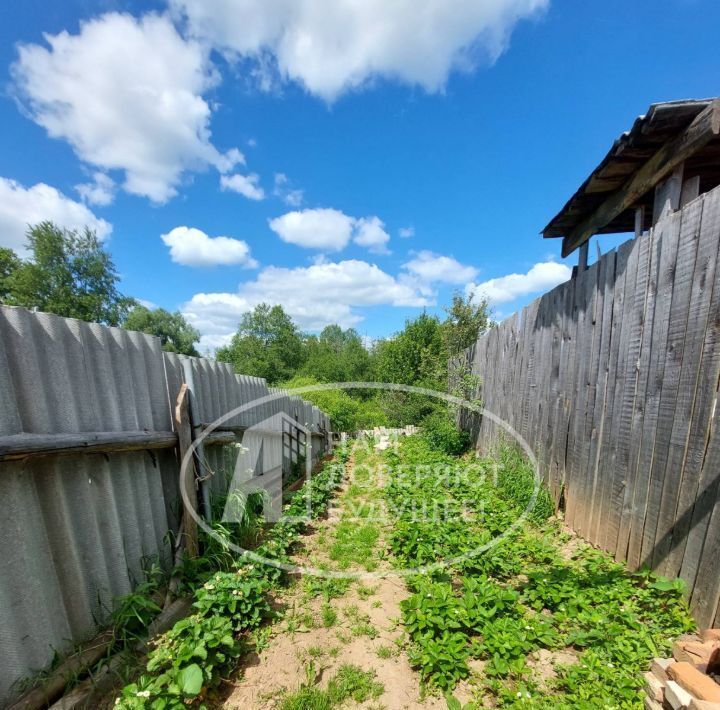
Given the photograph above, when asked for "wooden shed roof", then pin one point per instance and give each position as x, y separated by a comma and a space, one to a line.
662, 123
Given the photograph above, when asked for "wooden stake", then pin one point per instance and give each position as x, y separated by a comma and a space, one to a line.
184, 429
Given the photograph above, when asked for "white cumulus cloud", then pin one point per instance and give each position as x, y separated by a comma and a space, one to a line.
540, 278
333, 47
329, 229
406, 232
432, 268
321, 228
101, 191
370, 233
246, 185
127, 94
315, 296
289, 195
22, 206
192, 247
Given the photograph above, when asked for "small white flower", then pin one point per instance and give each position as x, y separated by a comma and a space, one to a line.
209, 586
527, 695
429, 595
519, 694
143, 693
610, 665
527, 628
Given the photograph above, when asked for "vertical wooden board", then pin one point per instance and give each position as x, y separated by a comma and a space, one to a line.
631, 414
705, 595
530, 372
565, 378
579, 311
688, 530
677, 440
625, 271
683, 270
586, 282
614, 300
598, 386
588, 385
623, 375
493, 363
555, 404
553, 419
670, 228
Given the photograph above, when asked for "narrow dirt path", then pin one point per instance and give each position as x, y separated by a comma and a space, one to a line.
330, 623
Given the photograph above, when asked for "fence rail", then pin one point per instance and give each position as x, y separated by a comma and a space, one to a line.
612, 378
89, 469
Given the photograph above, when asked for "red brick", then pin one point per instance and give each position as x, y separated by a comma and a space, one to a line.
694, 652
703, 687
703, 705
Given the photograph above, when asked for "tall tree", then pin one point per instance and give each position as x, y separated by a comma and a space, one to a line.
175, 333
9, 262
267, 344
70, 274
466, 320
414, 356
336, 355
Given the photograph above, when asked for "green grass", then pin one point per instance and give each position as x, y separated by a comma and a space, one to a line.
328, 615
521, 595
349, 683
355, 545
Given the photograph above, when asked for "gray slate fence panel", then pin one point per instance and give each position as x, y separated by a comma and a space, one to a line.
613, 378
80, 528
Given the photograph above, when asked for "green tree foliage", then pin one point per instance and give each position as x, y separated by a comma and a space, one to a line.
419, 354
466, 319
347, 411
267, 344
414, 356
175, 333
9, 262
336, 355
69, 273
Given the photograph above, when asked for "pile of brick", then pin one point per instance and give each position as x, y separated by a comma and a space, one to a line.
690, 679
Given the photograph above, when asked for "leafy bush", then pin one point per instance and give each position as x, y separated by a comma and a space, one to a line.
440, 431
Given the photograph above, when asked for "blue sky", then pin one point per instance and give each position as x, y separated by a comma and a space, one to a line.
361, 158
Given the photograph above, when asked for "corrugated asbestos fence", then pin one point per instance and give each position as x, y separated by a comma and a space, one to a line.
612, 379
79, 525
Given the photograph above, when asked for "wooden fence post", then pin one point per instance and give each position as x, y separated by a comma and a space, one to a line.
184, 429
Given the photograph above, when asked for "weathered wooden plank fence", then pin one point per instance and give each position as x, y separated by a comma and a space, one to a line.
89, 470
612, 378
